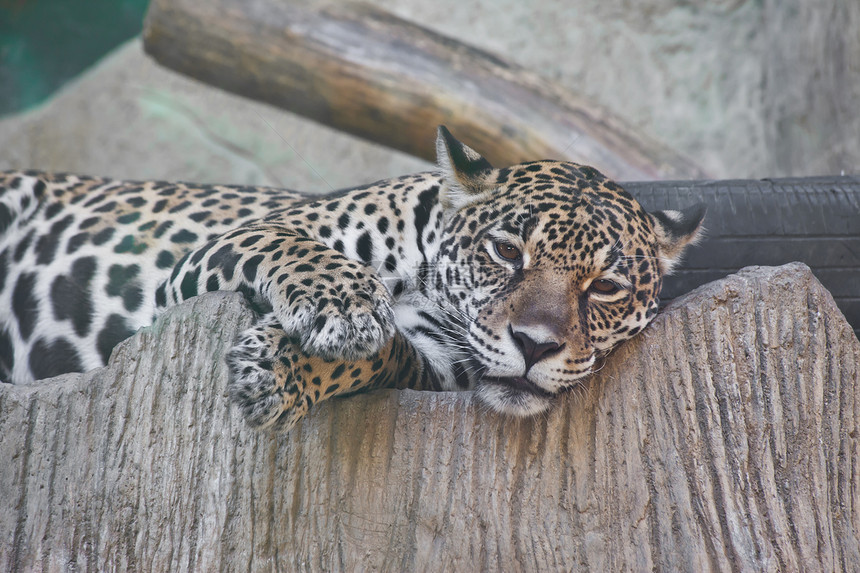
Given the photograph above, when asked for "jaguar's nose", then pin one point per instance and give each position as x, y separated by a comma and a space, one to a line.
533, 351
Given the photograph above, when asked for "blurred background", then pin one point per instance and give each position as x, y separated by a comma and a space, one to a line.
45, 43
746, 88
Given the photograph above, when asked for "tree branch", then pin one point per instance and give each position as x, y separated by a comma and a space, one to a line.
364, 71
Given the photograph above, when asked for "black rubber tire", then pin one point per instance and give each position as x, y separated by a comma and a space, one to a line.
813, 220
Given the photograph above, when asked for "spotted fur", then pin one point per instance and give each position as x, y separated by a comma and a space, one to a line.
513, 282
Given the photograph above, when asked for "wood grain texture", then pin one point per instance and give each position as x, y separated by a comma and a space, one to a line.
723, 438
364, 71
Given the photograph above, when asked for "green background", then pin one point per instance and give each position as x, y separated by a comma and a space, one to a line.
45, 43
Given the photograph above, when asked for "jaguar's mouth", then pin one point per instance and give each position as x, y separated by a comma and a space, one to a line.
514, 395
518, 385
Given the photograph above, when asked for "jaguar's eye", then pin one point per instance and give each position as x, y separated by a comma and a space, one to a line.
507, 251
604, 286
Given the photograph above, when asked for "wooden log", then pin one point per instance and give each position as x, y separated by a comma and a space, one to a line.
725, 437
362, 70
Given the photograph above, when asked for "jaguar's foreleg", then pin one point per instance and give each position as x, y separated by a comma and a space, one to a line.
333, 306
275, 382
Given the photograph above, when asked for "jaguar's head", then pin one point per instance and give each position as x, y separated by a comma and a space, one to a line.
546, 266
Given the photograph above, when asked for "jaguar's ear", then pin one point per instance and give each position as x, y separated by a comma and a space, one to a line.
469, 176
675, 231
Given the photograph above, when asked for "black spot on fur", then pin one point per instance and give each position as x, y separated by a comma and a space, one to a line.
132, 298
115, 331
226, 260
53, 359
249, 268
198, 255
249, 241
103, 236
106, 208
47, 245
343, 221
364, 247
6, 218
22, 247
88, 222
70, 295
129, 244
122, 283
24, 304
39, 188
4, 268
52, 210
188, 287
426, 201
382, 225
163, 228
7, 356
128, 218
183, 236
165, 260
180, 207
76, 242
161, 295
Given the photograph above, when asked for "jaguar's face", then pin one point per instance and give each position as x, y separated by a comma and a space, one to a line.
546, 271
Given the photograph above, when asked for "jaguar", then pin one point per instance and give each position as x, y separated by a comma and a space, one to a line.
513, 282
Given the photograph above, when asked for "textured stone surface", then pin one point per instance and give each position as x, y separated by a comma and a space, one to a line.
724, 437
129, 118
747, 88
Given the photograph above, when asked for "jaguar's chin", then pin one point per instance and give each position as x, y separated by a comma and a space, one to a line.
514, 395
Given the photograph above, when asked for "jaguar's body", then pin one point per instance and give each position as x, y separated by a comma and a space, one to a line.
511, 281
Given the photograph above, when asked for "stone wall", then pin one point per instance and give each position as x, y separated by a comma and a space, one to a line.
747, 88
